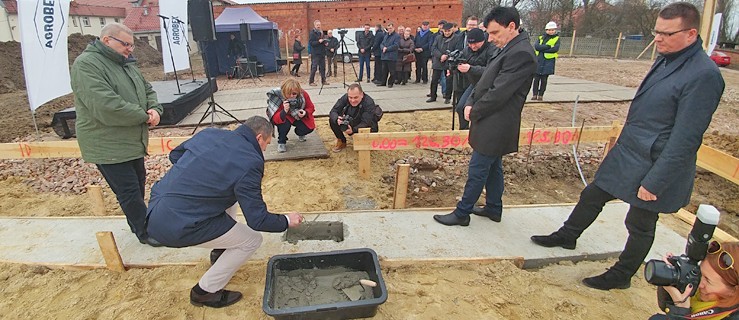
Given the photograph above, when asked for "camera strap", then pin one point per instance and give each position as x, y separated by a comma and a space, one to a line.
713, 313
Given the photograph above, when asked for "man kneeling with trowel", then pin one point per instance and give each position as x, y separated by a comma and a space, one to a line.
194, 204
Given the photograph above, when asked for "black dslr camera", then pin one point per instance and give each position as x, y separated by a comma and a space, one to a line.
345, 123
685, 269
455, 58
294, 107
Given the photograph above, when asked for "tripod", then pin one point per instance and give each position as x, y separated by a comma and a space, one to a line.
344, 49
249, 72
183, 26
171, 56
213, 106
455, 94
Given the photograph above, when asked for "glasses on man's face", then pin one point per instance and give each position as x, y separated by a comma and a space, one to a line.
124, 43
725, 260
667, 34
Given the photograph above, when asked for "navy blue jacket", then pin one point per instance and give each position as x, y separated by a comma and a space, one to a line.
317, 48
376, 48
392, 42
425, 43
212, 171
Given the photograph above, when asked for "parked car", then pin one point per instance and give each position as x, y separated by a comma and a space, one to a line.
721, 59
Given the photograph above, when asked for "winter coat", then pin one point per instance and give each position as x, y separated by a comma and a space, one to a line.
276, 113
424, 42
210, 173
376, 47
363, 115
664, 129
441, 46
317, 48
333, 43
545, 53
405, 46
478, 60
497, 99
111, 98
298, 48
390, 42
365, 41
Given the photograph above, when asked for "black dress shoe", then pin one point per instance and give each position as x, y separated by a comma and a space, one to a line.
607, 281
150, 241
390, 85
481, 211
428, 94
447, 101
452, 219
417, 81
215, 254
554, 240
380, 84
432, 99
218, 299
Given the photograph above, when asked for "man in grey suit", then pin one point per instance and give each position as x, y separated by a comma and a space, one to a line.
652, 165
494, 111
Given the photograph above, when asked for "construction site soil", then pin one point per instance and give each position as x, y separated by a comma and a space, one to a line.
537, 175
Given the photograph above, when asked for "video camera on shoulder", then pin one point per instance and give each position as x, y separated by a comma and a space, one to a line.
455, 58
685, 269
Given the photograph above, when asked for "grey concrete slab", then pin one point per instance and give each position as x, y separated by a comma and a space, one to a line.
399, 235
247, 102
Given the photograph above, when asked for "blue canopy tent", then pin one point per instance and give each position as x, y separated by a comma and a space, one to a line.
264, 43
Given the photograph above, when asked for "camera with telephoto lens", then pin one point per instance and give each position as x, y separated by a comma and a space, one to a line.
455, 58
685, 269
345, 122
343, 31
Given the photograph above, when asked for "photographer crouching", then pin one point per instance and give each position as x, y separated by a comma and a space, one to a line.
354, 110
477, 54
290, 106
702, 283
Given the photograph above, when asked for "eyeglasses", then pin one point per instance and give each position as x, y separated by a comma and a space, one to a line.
124, 43
725, 260
667, 34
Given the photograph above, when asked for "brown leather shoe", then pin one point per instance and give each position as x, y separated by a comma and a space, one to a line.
340, 145
325, 83
312, 84
218, 299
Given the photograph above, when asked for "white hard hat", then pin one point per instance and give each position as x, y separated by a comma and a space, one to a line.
551, 25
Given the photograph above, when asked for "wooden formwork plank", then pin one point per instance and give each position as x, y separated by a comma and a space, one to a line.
718, 234
112, 257
70, 149
401, 185
460, 138
365, 161
719, 163
98, 202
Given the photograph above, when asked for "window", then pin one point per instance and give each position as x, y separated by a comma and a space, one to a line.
102, 21
86, 21
74, 22
117, 20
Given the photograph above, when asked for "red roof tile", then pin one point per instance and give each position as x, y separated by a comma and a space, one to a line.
106, 3
138, 21
96, 11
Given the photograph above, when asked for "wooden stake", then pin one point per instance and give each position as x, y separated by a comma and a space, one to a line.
401, 186
113, 260
365, 161
615, 132
645, 50
572, 44
618, 44
654, 52
98, 202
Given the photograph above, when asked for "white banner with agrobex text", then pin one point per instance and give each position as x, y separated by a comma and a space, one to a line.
173, 13
43, 29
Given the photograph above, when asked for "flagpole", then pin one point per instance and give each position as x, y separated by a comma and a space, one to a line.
35, 124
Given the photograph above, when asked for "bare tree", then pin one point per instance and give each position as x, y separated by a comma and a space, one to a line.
479, 7
725, 33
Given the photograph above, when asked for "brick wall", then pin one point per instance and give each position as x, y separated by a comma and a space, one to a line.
293, 18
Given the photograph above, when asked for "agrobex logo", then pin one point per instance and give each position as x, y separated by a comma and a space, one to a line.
49, 21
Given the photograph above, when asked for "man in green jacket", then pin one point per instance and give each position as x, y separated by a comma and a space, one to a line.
115, 105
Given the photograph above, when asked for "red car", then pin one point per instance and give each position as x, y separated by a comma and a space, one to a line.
721, 59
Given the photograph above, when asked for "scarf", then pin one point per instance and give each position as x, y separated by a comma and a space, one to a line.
274, 103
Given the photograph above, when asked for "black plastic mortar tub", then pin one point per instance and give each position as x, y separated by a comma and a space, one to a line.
363, 259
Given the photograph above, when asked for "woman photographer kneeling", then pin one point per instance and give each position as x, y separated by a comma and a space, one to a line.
290, 106
717, 296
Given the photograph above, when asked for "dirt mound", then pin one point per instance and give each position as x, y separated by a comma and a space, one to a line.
724, 142
12, 78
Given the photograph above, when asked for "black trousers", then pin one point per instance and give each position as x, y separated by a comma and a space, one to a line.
388, 72
300, 129
422, 68
317, 62
435, 78
640, 223
378, 68
296, 68
540, 84
127, 179
340, 134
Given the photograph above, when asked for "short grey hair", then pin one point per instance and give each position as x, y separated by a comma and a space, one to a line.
114, 29
260, 125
